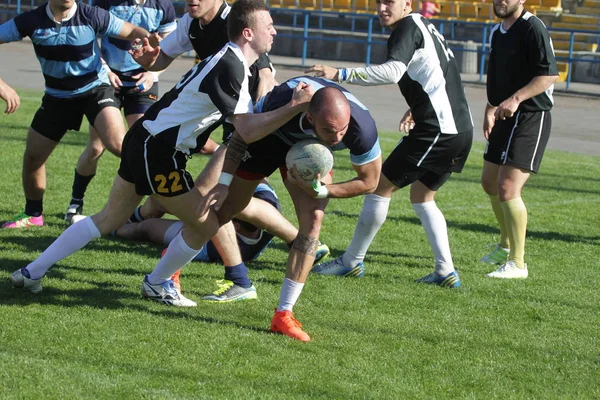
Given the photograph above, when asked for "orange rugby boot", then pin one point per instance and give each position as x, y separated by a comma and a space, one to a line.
284, 322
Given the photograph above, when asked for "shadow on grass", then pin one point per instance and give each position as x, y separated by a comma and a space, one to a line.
40, 244
482, 228
105, 295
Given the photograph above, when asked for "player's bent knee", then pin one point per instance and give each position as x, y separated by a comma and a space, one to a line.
489, 186
310, 222
106, 222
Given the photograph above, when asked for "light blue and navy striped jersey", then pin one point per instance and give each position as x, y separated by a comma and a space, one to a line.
156, 16
361, 138
68, 51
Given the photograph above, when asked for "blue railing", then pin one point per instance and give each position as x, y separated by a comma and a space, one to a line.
314, 23
371, 30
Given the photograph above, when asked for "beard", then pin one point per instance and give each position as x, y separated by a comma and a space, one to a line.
506, 13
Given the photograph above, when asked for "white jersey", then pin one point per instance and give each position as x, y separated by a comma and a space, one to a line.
202, 100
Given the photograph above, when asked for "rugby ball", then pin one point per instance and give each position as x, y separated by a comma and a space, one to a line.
310, 157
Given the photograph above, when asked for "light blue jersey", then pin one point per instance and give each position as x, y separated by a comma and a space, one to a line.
67, 51
156, 16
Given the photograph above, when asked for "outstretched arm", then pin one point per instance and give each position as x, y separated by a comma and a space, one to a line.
383, 74
132, 32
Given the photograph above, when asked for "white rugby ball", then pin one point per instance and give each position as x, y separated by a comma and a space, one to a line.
310, 157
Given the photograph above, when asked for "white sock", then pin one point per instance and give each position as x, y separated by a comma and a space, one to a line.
290, 291
178, 254
372, 216
434, 223
72, 239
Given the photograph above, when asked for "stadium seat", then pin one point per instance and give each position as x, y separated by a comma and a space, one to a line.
563, 71
574, 26
577, 46
283, 3
468, 11
448, 10
587, 10
364, 6
591, 3
579, 37
580, 19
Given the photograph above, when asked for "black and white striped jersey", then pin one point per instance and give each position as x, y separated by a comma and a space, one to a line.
424, 68
201, 101
516, 57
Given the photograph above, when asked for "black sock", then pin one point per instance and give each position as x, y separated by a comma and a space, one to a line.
80, 184
136, 216
34, 208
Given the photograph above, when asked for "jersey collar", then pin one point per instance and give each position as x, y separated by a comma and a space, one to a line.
236, 49
72, 12
308, 131
222, 13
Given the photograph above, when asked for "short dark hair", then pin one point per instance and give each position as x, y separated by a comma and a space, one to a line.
241, 16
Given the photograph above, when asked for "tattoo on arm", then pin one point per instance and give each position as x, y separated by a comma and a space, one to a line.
306, 244
236, 149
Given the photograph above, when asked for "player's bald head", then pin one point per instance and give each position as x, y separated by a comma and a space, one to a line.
329, 102
329, 112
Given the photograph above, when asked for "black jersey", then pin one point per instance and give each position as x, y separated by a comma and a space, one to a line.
516, 57
431, 85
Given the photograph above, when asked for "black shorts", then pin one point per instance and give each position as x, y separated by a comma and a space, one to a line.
428, 159
520, 141
134, 102
264, 157
153, 166
58, 115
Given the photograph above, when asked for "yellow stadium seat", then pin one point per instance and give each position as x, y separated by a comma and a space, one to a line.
577, 46
468, 11
554, 4
563, 71
362, 6
447, 10
342, 5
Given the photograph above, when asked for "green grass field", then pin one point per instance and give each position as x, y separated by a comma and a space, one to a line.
91, 335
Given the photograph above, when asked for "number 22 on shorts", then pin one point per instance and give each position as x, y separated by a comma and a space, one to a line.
168, 185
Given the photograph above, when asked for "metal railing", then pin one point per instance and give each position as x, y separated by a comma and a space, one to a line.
313, 22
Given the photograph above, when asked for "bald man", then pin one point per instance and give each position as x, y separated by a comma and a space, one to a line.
339, 120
